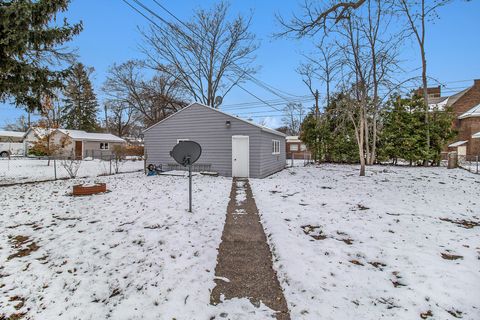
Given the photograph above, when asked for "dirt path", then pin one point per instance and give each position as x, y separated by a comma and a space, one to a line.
244, 262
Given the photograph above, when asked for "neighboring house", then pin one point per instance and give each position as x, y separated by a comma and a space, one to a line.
230, 146
82, 144
466, 106
296, 149
34, 134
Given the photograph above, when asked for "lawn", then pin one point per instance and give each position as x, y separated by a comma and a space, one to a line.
132, 253
401, 243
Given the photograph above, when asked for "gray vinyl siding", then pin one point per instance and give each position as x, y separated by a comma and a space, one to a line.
207, 127
272, 163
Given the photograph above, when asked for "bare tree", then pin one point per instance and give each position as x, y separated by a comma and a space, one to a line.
209, 54
148, 101
416, 13
20, 124
121, 117
382, 48
323, 65
314, 19
293, 115
367, 63
71, 165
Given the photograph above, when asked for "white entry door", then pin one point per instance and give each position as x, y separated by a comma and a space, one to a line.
240, 156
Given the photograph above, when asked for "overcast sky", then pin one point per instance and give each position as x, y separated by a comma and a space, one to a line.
111, 35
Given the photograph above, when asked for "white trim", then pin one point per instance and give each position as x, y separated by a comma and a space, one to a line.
473, 112
457, 144
278, 133
275, 146
476, 135
180, 140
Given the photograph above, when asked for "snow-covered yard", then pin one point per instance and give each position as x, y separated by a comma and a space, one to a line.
27, 170
132, 253
402, 243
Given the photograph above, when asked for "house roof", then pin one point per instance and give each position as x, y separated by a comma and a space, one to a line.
474, 112
457, 144
89, 136
39, 131
476, 135
265, 129
453, 98
442, 102
438, 103
292, 139
11, 134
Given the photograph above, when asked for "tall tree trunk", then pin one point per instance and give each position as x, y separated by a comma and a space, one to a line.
373, 157
361, 144
367, 139
427, 109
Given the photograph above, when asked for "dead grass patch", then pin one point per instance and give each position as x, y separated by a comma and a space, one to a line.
314, 232
467, 224
448, 256
19, 243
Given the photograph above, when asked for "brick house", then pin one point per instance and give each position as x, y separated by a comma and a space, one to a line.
466, 106
296, 148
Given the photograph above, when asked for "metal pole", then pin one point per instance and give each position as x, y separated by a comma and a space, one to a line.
477, 164
55, 167
190, 188
110, 165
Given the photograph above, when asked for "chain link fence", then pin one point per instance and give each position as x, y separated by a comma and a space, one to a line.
469, 163
299, 159
33, 169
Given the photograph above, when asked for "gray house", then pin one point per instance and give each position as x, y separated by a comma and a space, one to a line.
230, 146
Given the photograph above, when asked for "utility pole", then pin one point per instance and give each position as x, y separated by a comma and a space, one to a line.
317, 110
105, 108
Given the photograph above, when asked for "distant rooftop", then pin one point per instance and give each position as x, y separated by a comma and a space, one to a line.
83, 135
474, 112
13, 134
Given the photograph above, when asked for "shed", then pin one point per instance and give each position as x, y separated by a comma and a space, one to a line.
460, 147
296, 149
230, 146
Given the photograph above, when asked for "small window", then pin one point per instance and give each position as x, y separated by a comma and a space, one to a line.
103, 146
294, 147
275, 147
180, 140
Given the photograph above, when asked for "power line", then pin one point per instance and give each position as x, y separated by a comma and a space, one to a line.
163, 20
256, 104
258, 82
